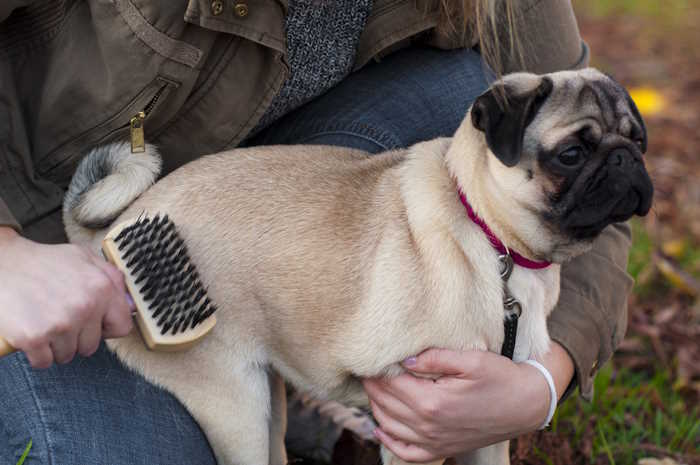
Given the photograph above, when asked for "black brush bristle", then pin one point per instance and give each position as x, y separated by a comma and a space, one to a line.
157, 258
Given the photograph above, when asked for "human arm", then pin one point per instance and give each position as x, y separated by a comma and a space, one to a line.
7, 219
58, 300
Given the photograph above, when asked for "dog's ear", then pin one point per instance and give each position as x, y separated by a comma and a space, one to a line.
635, 112
641, 133
503, 114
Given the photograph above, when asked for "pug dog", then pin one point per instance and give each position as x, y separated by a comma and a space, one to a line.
329, 265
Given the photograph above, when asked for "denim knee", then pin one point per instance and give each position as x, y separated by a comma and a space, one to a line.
93, 411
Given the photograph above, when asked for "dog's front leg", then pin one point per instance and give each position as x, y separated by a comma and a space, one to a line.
495, 454
388, 458
278, 419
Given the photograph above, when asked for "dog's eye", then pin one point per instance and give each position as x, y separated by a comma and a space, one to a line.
571, 156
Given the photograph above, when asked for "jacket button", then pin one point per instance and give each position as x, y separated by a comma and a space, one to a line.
594, 367
241, 9
217, 7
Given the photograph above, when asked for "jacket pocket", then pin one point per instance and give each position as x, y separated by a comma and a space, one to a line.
59, 165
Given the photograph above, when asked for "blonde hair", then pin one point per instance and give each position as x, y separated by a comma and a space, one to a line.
495, 25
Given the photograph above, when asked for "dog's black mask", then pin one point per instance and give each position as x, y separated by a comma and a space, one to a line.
612, 187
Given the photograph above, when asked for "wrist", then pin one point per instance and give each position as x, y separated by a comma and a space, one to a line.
560, 365
552, 391
7, 234
537, 398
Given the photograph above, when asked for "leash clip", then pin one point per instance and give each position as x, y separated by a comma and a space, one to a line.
511, 306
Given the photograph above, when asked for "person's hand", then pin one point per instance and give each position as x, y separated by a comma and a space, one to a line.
475, 399
58, 300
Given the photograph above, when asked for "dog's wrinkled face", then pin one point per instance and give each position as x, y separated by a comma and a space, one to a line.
580, 138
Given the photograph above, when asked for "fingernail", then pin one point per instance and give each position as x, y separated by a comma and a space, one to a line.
410, 361
367, 429
375, 432
130, 301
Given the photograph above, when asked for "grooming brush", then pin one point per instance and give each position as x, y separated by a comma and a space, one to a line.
173, 310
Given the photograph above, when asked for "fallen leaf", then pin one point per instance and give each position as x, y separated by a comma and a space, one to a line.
674, 248
648, 100
676, 276
655, 461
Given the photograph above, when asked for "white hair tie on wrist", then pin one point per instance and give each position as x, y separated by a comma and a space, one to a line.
552, 390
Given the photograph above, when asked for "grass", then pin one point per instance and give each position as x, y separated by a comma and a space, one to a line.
670, 11
25, 453
640, 254
685, 252
635, 414
632, 415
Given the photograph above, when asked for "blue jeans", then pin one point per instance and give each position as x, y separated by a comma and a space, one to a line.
94, 410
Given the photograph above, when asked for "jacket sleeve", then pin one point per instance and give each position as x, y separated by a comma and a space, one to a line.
546, 31
6, 217
549, 37
590, 318
7, 6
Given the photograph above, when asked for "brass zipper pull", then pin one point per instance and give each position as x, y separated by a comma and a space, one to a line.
138, 143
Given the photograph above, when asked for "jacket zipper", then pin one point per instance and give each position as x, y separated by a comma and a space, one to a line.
138, 141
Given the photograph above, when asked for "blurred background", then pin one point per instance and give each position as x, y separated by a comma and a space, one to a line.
646, 407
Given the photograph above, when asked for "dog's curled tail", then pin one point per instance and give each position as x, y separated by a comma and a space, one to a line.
106, 182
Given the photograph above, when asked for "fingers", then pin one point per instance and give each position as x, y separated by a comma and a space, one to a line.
406, 452
379, 393
40, 357
444, 362
89, 338
117, 321
393, 427
64, 347
406, 388
114, 275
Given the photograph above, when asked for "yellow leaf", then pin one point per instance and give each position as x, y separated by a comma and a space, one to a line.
674, 248
648, 100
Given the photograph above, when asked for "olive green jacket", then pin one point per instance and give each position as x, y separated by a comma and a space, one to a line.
74, 73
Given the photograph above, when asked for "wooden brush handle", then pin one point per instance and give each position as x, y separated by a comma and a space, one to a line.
5, 347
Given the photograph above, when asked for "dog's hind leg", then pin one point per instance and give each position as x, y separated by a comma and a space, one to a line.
233, 410
278, 419
229, 399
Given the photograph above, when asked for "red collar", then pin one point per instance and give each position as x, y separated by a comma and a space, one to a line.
497, 244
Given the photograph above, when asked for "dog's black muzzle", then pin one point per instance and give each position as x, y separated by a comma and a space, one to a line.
619, 189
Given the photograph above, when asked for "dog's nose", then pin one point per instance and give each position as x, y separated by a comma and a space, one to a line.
621, 156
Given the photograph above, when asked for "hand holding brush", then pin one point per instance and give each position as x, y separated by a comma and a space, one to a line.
58, 300
69, 298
